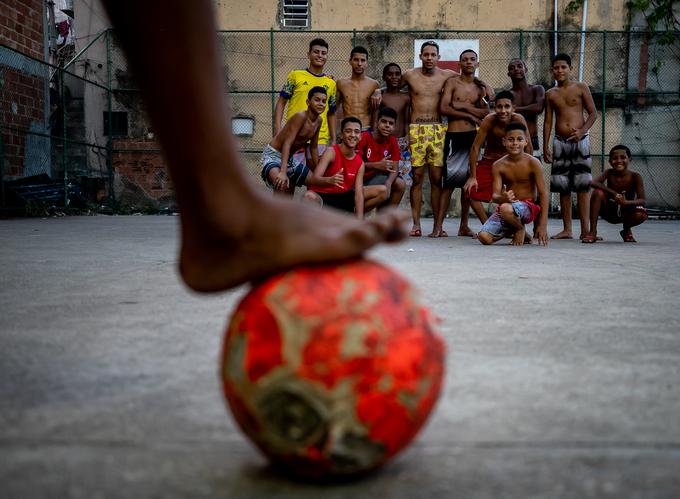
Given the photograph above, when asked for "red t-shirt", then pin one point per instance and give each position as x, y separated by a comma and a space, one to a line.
372, 151
350, 167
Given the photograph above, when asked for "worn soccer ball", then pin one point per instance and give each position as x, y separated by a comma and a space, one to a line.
332, 370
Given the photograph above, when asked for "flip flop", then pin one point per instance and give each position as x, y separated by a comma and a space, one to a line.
415, 233
443, 234
627, 237
589, 239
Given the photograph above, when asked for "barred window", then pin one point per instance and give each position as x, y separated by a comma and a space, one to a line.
295, 14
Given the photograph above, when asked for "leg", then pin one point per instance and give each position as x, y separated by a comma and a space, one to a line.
632, 219
444, 202
487, 238
464, 228
583, 203
479, 210
397, 191
565, 206
417, 199
509, 216
232, 232
435, 173
374, 195
312, 197
596, 200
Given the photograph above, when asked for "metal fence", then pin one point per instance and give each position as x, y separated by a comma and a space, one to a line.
91, 137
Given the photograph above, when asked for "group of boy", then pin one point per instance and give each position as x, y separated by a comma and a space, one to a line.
378, 126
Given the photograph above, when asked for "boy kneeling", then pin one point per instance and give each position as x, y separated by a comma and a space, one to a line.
621, 200
517, 179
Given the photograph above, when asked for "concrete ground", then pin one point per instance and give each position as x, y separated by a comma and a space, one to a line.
563, 376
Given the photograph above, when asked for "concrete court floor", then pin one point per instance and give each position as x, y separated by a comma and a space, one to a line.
563, 377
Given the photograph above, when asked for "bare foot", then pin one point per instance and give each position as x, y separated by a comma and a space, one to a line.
435, 233
565, 234
274, 236
443, 233
528, 239
466, 232
518, 238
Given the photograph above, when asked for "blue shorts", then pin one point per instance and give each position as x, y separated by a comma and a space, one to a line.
527, 211
271, 158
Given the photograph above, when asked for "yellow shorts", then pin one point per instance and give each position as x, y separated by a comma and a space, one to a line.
427, 144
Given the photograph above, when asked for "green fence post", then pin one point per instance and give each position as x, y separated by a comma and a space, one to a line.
109, 142
2, 169
604, 92
62, 88
521, 44
273, 81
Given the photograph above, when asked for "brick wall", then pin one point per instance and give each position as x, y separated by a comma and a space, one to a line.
22, 81
141, 178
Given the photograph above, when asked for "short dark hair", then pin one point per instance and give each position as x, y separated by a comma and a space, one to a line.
350, 119
429, 43
561, 57
505, 94
620, 147
358, 50
466, 51
319, 42
515, 125
387, 112
388, 66
316, 90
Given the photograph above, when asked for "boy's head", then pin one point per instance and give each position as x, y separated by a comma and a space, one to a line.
350, 129
561, 67
318, 52
515, 137
468, 60
429, 55
358, 59
392, 74
316, 99
503, 105
619, 157
387, 119
517, 69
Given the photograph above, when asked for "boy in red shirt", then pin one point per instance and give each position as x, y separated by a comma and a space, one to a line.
380, 151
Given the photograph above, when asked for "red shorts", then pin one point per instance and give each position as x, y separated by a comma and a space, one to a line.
484, 181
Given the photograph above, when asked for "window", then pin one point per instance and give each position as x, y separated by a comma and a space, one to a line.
119, 123
295, 14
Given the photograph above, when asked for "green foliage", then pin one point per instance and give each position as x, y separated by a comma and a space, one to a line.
660, 18
573, 6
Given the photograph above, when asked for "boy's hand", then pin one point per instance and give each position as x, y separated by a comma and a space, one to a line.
576, 135
337, 179
620, 198
281, 181
509, 195
547, 154
387, 164
376, 99
542, 235
470, 184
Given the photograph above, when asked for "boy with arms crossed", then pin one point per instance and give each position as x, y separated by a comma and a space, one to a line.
529, 99
380, 151
492, 131
342, 159
570, 155
354, 93
618, 196
465, 102
400, 101
279, 168
517, 180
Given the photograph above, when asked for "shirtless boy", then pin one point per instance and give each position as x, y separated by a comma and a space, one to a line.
529, 99
618, 196
426, 132
294, 95
380, 151
570, 155
466, 102
517, 182
222, 244
492, 131
354, 93
350, 195
279, 169
393, 97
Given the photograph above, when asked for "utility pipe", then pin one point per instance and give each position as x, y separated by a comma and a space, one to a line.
555, 29
583, 40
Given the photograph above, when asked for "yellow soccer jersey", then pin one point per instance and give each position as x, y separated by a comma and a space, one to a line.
296, 88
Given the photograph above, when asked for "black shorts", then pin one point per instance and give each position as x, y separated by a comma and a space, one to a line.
343, 201
457, 158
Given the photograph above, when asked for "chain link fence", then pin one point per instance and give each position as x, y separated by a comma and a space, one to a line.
83, 127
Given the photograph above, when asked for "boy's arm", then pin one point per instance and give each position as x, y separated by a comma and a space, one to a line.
326, 159
547, 128
639, 191
291, 131
278, 113
499, 195
474, 154
376, 98
541, 191
314, 149
598, 183
528, 148
448, 108
359, 193
407, 113
537, 106
588, 103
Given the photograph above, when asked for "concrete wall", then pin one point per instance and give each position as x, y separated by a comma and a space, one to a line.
426, 14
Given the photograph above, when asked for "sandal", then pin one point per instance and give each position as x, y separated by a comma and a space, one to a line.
627, 237
415, 233
589, 239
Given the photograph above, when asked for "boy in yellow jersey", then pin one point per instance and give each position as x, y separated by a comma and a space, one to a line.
294, 93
